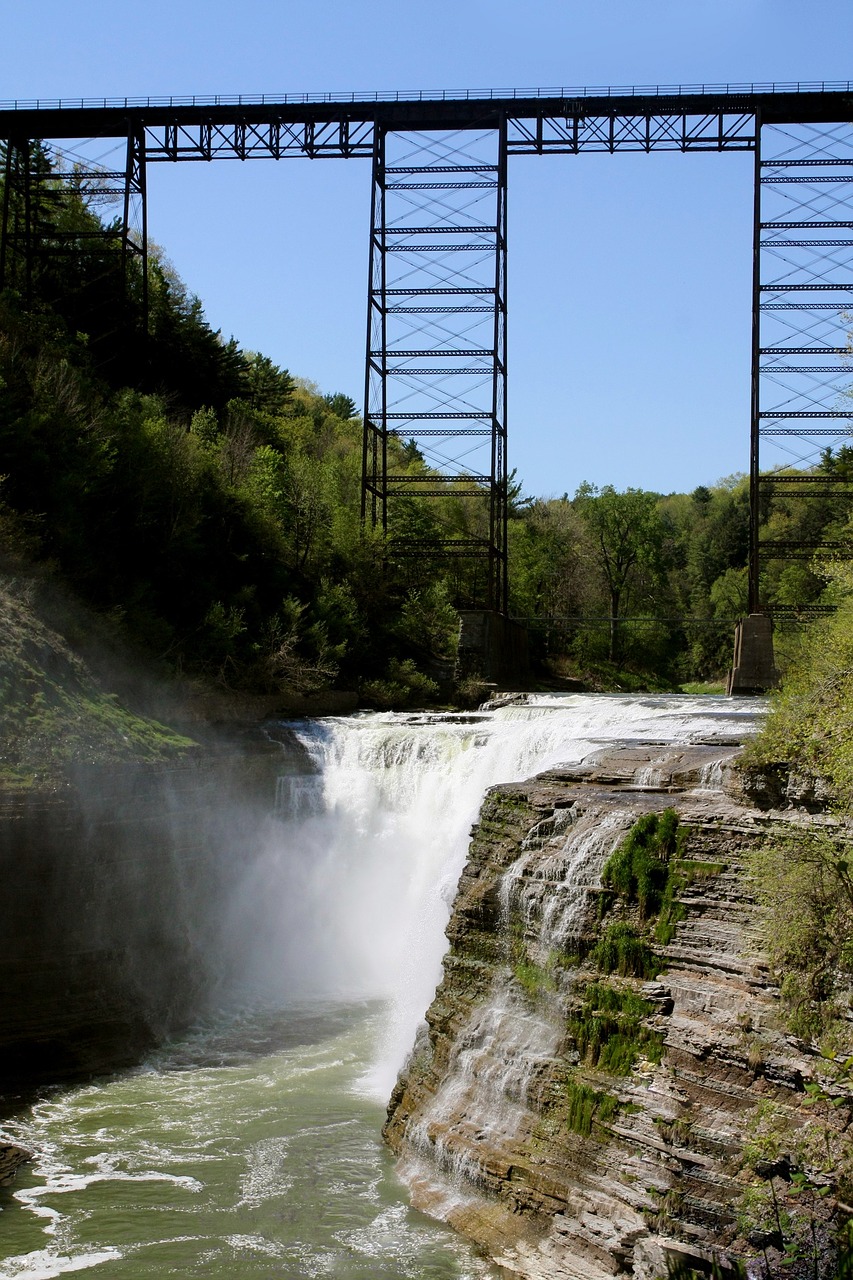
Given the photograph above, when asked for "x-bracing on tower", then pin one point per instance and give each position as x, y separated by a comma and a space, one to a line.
36, 241
802, 300
435, 387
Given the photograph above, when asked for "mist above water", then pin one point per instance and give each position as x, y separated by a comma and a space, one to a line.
306, 905
352, 891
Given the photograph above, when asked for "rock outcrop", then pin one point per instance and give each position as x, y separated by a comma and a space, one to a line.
11, 1158
572, 1143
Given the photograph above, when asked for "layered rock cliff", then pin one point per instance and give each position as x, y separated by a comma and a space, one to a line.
580, 1098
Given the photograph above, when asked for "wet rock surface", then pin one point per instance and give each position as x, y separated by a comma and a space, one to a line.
558, 1169
12, 1157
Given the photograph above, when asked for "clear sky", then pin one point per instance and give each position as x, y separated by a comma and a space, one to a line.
629, 276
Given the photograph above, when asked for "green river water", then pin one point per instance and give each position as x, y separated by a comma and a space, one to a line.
252, 1149
248, 1151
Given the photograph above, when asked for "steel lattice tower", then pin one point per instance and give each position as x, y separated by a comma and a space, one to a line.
436, 346
30, 236
802, 299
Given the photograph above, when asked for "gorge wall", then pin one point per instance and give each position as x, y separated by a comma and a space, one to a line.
582, 1123
123, 886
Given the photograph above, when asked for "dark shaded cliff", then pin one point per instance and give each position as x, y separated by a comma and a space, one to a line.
124, 844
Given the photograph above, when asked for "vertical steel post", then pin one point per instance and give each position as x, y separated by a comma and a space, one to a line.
135, 185
755, 399
498, 584
7, 195
29, 240
129, 187
383, 323
143, 194
372, 474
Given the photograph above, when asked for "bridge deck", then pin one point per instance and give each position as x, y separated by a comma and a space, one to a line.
568, 120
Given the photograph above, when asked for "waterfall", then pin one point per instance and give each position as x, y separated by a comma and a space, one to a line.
353, 891
323, 908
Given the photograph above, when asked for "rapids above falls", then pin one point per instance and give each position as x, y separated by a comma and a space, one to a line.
250, 1149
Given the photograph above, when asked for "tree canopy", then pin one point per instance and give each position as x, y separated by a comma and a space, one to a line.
209, 501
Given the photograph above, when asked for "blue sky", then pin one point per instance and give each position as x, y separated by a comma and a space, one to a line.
628, 275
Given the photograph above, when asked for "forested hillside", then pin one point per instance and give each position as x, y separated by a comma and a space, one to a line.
207, 503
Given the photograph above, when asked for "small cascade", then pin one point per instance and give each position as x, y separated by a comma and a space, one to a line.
548, 893
711, 776
650, 778
298, 797
482, 1105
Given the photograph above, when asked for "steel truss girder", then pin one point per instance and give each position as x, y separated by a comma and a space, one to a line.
642, 131
569, 134
803, 183
243, 139
440, 238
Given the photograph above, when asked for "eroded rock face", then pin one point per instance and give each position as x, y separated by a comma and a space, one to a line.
560, 1170
11, 1158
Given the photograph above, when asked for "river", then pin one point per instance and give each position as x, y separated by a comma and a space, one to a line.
251, 1148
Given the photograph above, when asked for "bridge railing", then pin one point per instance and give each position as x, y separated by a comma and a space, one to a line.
425, 95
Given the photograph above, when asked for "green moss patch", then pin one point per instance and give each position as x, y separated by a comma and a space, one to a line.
620, 949
609, 1032
586, 1107
639, 869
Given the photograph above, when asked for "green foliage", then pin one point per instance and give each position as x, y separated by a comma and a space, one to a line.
402, 686
472, 691
608, 1029
429, 620
621, 950
583, 1107
798, 1166
811, 722
639, 869
804, 882
628, 534
533, 978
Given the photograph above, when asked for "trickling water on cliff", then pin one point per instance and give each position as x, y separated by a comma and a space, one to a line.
254, 1146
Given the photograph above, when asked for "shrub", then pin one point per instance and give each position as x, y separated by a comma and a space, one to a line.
638, 870
804, 882
621, 950
403, 686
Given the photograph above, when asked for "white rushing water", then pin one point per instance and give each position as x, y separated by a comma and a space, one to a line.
389, 819
252, 1148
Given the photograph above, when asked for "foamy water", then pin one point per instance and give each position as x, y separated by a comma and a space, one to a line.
252, 1149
